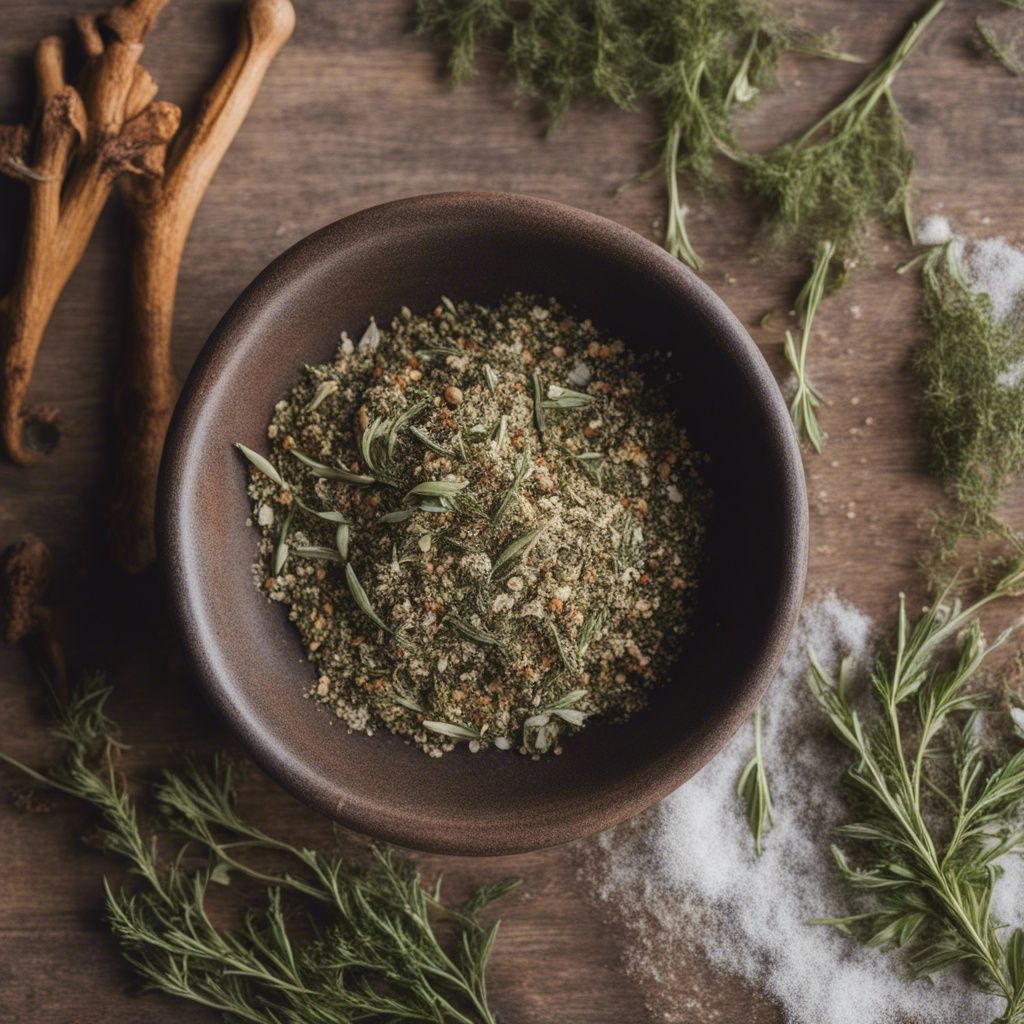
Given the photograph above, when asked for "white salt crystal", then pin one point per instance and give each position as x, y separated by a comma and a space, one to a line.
1012, 375
580, 374
685, 876
995, 267
934, 230
265, 516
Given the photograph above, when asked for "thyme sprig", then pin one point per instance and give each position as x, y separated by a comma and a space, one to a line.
806, 398
850, 166
752, 786
927, 866
372, 950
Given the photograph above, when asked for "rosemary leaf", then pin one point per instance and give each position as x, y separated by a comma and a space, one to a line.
264, 465
318, 553
362, 601
331, 472
514, 551
456, 732
437, 489
425, 439
566, 398
281, 547
491, 378
753, 788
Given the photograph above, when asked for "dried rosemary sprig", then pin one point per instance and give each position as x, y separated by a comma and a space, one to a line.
806, 398
973, 402
752, 786
849, 167
698, 61
370, 950
932, 820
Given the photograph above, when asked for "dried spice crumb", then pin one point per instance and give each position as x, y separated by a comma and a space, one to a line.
485, 523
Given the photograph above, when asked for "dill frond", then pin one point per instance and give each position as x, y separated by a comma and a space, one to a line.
851, 166
973, 400
932, 818
697, 61
331, 942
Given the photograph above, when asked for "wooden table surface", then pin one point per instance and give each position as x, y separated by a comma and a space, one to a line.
354, 112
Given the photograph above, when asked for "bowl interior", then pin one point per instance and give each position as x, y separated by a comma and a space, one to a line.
481, 246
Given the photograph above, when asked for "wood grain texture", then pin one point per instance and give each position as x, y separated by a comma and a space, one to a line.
355, 112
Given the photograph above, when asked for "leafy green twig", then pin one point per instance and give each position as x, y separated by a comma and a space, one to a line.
928, 867
373, 952
698, 62
806, 398
851, 165
753, 788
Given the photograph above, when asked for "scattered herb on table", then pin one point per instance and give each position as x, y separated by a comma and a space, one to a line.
932, 818
698, 61
849, 167
806, 397
753, 787
522, 519
973, 404
332, 942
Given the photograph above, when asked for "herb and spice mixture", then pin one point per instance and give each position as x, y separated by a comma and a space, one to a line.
486, 524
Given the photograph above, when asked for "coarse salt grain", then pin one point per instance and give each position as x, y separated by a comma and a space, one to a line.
686, 874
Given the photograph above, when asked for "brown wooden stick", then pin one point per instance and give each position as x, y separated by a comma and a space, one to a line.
163, 211
82, 140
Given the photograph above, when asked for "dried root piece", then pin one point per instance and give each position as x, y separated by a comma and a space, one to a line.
163, 209
25, 579
83, 138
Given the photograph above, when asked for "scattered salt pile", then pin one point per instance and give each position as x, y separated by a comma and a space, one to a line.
685, 876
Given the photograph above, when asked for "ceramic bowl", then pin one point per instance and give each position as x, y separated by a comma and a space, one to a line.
246, 655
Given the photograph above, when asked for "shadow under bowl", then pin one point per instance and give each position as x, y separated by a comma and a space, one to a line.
481, 246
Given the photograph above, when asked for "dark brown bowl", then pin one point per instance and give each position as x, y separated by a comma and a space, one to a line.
480, 246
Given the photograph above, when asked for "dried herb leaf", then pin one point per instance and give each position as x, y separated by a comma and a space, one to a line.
514, 551
331, 472
456, 732
265, 466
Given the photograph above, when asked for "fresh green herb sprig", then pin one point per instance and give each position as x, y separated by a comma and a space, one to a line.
698, 61
850, 166
931, 821
752, 786
973, 402
806, 398
369, 949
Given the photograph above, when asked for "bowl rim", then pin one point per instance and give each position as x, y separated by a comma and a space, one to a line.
315, 788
